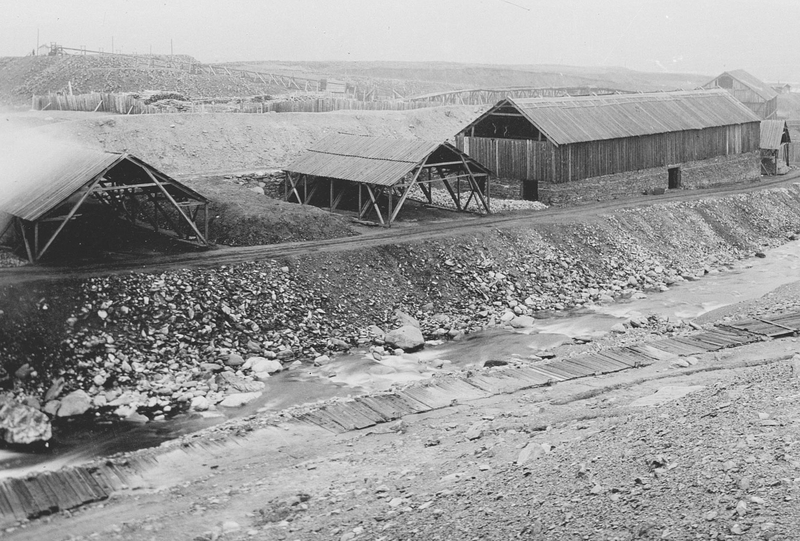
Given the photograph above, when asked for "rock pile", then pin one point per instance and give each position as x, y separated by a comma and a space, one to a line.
269, 183
442, 198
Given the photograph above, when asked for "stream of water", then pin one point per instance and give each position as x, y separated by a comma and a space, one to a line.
359, 372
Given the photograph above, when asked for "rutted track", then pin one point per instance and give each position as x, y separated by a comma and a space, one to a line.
378, 237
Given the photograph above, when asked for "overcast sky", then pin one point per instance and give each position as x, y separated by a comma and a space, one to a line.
695, 36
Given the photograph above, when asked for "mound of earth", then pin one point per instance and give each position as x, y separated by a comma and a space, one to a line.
22, 76
191, 144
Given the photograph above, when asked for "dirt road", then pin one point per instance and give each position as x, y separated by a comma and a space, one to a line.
459, 225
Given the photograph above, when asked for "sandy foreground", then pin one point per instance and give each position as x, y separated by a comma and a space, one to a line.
709, 451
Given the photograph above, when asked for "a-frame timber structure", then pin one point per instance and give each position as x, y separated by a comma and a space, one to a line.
43, 194
377, 174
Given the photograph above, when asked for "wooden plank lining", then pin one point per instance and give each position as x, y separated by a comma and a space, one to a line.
690, 342
549, 374
570, 369
672, 346
319, 418
500, 382
348, 416
597, 364
17, 508
67, 498
631, 361
44, 481
92, 484
391, 405
27, 505
359, 408
526, 374
44, 504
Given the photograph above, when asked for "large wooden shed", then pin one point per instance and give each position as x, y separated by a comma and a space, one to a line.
554, 141
756, 95
379, 173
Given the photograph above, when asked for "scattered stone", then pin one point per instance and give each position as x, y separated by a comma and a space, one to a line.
75, 403
406, 319
23, 371
233, 360
476, 431
494, 362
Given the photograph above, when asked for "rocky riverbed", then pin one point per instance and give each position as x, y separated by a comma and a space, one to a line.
145, 346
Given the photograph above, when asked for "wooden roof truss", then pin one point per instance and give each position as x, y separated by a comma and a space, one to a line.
140, 195
385, 202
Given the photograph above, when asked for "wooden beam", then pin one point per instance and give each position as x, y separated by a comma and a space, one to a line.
339, 197
294, 189
21, 224
71, 213
313, 191
374, 202
475, 186
441, 164
205, 220
402, 200
179, 209
123, 187
456, 200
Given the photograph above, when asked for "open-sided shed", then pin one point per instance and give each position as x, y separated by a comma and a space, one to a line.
775, 141
45, 192
756, 95
383, 172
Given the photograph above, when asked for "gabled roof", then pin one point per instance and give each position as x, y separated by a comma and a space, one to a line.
34, 184
369, 160
595, 118
761, 88
773, 133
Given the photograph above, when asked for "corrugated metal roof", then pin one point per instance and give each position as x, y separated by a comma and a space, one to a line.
35, 180
772, 133
753, 83
593, 118
370, 160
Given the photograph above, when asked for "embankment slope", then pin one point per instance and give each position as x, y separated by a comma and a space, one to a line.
173, 323
188, 144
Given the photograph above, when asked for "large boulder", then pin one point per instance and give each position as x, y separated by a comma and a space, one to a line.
238, 400
231, 383
20, 424
262, 364
75, 403
407, 338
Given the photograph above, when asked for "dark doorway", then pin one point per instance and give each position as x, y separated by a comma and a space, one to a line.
530, 190
674, 178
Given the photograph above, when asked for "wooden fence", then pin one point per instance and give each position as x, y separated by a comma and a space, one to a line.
123, 104
127, 104
324, 105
